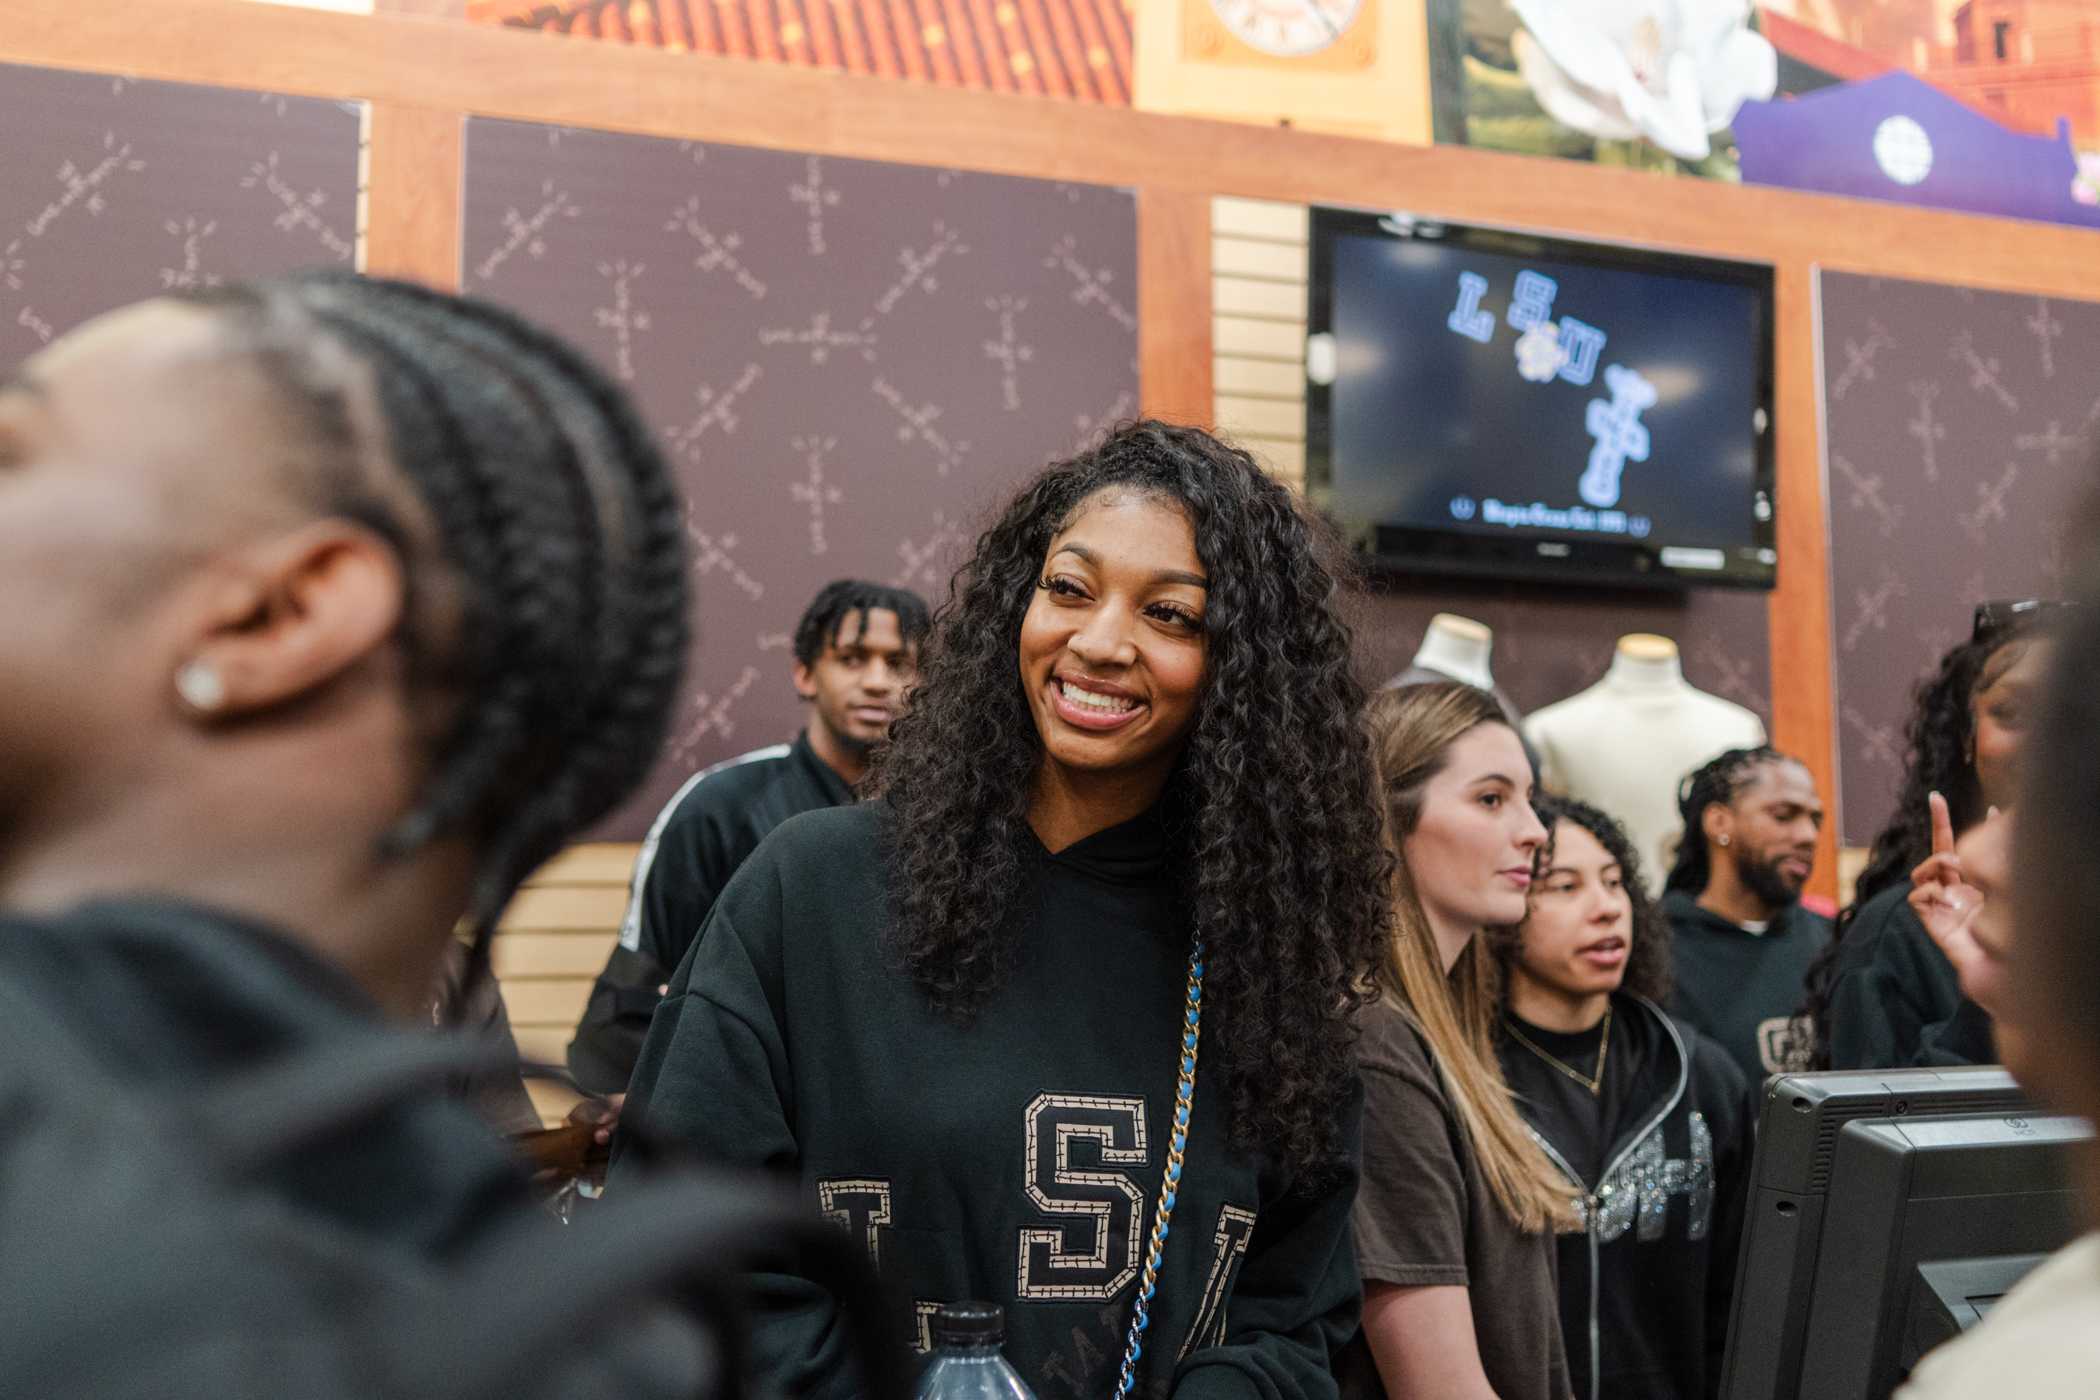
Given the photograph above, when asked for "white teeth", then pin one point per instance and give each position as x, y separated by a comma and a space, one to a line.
1106, 704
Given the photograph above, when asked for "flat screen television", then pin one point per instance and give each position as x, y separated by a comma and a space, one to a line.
1888, 1210
1489, 403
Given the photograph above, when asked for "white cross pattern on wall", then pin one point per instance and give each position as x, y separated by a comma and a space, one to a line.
815, 196
821, 339
711, 554
1873, 608
712, 715
1008, 351
191, 274
717, 410
1859, 359
1866, 492
84, 188
522, 232
718, 252
1984, 371
1990, 503
1091, 284
815, 491
2048, 330
918, 425
1926, 428
624, 318
923, 560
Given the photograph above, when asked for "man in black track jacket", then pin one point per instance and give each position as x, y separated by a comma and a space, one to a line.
856, 651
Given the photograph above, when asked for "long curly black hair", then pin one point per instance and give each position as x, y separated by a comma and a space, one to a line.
1648, 965
1941, 737
1271, 812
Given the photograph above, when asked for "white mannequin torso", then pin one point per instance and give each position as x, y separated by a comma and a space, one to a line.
1625, 743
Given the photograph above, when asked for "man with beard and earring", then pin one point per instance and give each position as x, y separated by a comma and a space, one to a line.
856, 653
1648, 1120
1743, 943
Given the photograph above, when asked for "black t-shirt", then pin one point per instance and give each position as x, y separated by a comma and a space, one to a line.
1561, 1106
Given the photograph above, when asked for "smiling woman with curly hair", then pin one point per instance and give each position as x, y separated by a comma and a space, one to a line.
1126, 841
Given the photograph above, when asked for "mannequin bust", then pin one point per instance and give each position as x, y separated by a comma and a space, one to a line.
1626, 742
1457, 647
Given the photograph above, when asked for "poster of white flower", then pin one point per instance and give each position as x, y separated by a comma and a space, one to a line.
1986, 106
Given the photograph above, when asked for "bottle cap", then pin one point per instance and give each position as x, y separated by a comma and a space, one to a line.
969, 1324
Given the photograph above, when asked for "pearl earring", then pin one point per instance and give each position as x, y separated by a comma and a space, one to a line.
1722, 839
201, 687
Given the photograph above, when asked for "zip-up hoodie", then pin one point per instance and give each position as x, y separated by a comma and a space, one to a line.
1645, 1287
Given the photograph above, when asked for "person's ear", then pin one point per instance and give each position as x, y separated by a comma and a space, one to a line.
805, 681
288, 618
1719, 824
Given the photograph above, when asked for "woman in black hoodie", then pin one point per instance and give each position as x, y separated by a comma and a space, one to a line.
1127, 852
1650, 1122
1882, 995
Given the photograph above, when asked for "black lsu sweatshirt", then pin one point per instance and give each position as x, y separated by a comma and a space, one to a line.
1016, 1158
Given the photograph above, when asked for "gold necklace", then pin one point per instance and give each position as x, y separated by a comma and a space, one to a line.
1593, 1083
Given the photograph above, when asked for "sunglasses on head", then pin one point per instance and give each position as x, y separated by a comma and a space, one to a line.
1998, 618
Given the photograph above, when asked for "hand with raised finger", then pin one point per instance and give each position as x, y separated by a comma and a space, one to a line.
1943, 900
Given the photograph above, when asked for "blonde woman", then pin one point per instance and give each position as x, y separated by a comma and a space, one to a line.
1458, 1207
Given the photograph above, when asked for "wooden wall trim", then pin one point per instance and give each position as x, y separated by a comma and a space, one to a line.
1174, 297
544, 77
1804, 702
413, 182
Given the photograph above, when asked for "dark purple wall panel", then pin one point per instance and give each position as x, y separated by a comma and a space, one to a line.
112, 190
1959, 425
849, 361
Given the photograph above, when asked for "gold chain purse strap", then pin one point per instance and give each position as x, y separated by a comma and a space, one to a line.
1170, 1185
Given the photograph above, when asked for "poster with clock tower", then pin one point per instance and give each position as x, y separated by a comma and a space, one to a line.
1356, 67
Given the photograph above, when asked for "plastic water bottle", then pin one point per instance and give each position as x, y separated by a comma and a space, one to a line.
966, 1362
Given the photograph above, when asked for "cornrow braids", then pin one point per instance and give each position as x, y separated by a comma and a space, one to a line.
553, 512
1717, 781
842, 598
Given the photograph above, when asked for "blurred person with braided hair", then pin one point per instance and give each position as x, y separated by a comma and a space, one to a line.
335, 607
1088, 963
1742, 941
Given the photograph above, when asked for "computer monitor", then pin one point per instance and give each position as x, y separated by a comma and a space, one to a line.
1863, 1179
1971, 1195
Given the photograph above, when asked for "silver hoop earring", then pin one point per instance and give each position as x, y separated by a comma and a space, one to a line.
201, 687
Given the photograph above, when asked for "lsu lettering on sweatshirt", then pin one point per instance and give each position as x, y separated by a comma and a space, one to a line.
1015, 1158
